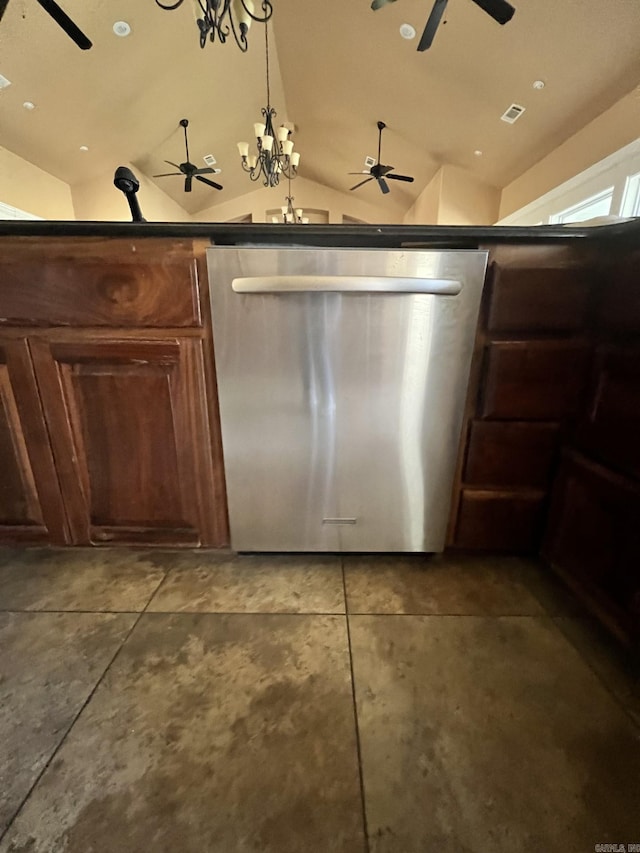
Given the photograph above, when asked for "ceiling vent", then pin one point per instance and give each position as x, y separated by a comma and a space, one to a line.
4, 82
209, 159
513, 113
369, 162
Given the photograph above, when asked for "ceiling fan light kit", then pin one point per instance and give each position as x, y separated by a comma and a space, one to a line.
222, 18
275, 155
380, 172
189, 169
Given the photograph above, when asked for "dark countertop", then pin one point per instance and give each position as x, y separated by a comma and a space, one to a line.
383, 236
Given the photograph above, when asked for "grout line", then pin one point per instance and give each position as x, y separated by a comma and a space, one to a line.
355, 714
94, 612
71, 725
139, 616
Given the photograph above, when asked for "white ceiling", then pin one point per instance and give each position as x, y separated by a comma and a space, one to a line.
336, 68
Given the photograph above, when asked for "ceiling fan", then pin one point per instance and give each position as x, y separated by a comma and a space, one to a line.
61, 18
500, 11
188, 169
378, 171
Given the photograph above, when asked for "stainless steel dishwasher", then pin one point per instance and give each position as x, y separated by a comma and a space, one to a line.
342, 376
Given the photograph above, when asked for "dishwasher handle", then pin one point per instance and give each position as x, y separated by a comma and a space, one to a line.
345, 284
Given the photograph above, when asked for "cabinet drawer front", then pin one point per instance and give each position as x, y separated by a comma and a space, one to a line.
499, 521
539, 299
510, 454
116, 283
534, 380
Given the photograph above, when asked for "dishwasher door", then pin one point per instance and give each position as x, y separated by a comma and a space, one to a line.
342, 377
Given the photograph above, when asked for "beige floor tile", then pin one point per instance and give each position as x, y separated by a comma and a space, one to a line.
618, 670
111, 579
212, 583
441, 584
49, 664
488, 735
213, 733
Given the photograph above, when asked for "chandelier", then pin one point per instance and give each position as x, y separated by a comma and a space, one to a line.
291, 215
275, 155
222, 17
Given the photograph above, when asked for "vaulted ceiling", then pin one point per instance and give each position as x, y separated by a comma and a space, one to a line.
336, 68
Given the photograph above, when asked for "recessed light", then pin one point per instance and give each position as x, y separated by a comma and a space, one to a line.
4, 82
29, 106
84, 148
407, 31
539, 84
121, 28
478, 153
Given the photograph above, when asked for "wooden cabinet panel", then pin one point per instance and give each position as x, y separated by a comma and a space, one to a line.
30, 501
610, 429
99, 283
514, 454
592, 539
131, 440
538, 299
619, 308
534, 380
499, 521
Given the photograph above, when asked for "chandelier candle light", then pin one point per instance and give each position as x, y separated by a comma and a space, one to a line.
290, 214
221, 18
275, 155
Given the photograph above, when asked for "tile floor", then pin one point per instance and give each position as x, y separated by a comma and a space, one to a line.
197, 702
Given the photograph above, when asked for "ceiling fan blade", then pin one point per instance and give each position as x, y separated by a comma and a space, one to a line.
500, 10
406, 178
378, 4
363, 172
384, 186
63, 20
175, 165
3, 7
187, 183
206, 171
207, 181
166, 174
366, 181
384, 170
432, 24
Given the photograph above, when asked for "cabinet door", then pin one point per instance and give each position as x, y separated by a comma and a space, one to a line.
31, 508
592, 540
610, 426
130, 437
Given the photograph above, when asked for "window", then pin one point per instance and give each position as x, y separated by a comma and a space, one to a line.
8, 212
589, 208
631, 196
608, 188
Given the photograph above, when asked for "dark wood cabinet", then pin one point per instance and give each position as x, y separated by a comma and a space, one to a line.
535, 299
109, 428
511, 454
609, 429
534, 380
31, 508
593, 540
499, 521
129, 432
